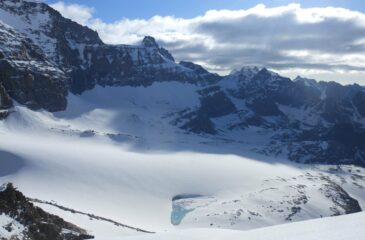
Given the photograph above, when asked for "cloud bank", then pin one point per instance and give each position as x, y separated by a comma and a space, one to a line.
325, 43
76, 12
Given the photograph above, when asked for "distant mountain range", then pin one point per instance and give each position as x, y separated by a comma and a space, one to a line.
44, 57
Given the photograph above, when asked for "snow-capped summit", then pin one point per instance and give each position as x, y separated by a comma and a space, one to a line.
246, 72
307, 82
255, 76
150, 42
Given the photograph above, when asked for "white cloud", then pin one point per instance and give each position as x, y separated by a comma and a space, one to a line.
78, 13
321, 42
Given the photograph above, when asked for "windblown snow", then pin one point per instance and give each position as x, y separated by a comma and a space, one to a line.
114, 153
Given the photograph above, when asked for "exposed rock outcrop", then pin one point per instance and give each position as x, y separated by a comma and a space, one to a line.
32, 223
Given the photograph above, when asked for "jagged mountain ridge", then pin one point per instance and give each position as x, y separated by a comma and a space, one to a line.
82, 56
44, 56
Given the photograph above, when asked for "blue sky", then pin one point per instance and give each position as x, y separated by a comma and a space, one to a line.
113, 10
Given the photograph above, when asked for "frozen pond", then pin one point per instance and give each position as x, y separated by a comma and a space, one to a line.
180, 208
178, 213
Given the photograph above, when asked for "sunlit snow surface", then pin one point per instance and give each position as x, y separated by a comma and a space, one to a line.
335, 228
114, 153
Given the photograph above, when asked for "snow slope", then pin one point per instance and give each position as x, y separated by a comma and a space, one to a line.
15, 230
334, 228
113, 153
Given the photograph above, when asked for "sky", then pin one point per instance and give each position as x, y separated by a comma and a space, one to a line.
324, 40
113, 10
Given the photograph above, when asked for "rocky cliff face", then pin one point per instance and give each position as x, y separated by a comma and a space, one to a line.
84, 59
5, 102
122, 65
27, 75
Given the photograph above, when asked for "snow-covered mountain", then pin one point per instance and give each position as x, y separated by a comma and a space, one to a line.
84, 59
122, 140
44, 55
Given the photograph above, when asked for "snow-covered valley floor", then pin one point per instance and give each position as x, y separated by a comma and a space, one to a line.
113, 153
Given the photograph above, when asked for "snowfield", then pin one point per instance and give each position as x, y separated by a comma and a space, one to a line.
334, 228
115, 154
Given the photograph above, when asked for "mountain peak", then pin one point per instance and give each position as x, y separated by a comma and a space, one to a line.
149, 41
307, 82
300, 78
245, 70
267, 75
